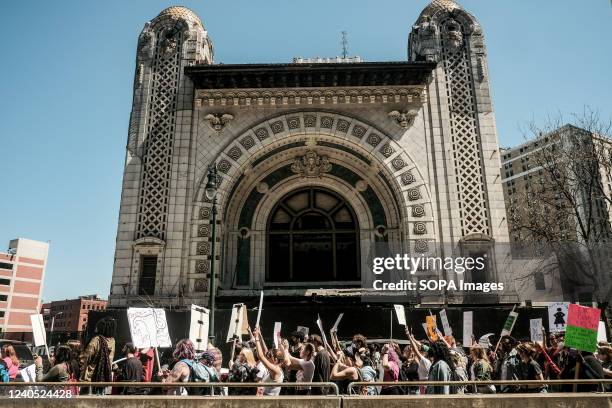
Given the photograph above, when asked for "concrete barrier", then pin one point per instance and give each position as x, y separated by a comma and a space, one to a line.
557, 400
117, 401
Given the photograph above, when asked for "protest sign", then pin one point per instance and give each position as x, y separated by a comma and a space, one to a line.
582, 326
259, 309
38, 330
468, 332
484, 341
304, 330
198, 327
536, 330
509, 324
28, 374
401, 314
335, 327
445, 324
148, 327
320, 325
236, 326
557, 316
277, 330
432, 331
601, 333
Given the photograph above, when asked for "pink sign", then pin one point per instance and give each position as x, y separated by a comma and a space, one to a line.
582, 316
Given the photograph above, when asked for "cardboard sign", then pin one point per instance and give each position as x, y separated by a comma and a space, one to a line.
536, 330
303, 329
198, 327
582, 327
320, 325
601, 333
259, 309
277, 330
445, 324
509, 324
468, 331
557, 316
401, 314
335, 328
237, 324
38, 330
432, 328
148, 327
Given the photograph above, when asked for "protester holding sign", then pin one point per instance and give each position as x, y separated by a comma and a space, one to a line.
272, 361
303, 366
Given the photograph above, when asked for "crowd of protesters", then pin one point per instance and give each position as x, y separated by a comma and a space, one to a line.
309, 359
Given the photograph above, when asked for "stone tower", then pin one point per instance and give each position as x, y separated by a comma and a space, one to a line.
156, 172
463, 129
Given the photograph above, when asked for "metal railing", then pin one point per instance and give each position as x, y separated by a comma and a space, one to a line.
467, 383
168, 385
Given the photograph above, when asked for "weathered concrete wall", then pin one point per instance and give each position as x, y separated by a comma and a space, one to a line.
169, 402
488, 401
468, 401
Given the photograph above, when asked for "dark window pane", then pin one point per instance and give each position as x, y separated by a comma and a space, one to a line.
312, 257
146, 285
278, 259
312, 221
6, 265
346, 257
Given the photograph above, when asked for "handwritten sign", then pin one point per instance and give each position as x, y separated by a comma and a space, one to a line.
448, 331
259, 309
148, 327
536, 330
401, 314
198, 327
334, 329
582, 327
38, 330
277, 331
303, 329
237, 326
468, 331
432, 328
320, 325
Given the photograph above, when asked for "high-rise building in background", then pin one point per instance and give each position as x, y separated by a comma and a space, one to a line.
22, 272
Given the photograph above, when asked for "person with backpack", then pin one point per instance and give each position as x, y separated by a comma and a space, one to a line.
481, 369
11, 361
96, 360
243, 370
184, 352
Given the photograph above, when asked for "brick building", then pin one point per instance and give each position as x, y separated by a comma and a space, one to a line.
22, 272
69, 317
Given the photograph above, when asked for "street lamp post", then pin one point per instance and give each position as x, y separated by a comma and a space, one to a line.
211, 194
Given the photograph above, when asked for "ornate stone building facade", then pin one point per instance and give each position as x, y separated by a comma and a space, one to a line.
317, 163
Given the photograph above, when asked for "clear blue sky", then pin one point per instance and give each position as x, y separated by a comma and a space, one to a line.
66, 76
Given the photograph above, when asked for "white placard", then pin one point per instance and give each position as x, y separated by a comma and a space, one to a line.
236, 323
303, 329
148, 327
277, 330
535, 328
198, 327
335, 328
557, 316
320, 325
484, 340
401, 314
468, 328
38, 330
425, 329
259, 309
601, 333
28, 374
445, 325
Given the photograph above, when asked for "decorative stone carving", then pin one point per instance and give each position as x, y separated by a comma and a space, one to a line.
414, 194
421, 246
263, 187
426, 44
418, 211
311, 165
404, 119
145, 40
204, 213
203, 248
217, 121
407, 178
420, 228
247, 142
203, 231
361, 186
373, 139
170, 41
453, 37
262, 134
202, 266
200, 285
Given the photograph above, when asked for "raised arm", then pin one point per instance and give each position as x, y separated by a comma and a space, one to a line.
275, 370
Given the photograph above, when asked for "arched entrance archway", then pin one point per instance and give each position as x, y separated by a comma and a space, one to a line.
313, 236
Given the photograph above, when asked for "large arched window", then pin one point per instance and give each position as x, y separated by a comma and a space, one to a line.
313, 235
